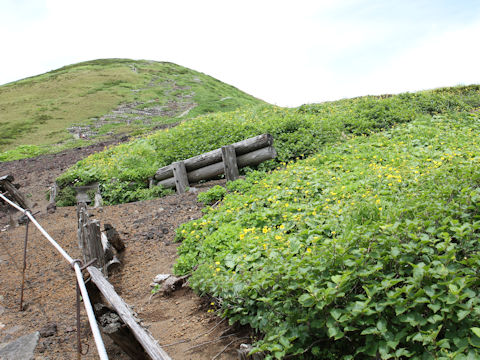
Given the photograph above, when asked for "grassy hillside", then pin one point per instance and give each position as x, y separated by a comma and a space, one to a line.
123, 170
99, 99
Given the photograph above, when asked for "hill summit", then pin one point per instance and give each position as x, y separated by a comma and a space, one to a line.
102, 99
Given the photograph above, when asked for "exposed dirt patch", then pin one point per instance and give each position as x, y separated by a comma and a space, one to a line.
180, 322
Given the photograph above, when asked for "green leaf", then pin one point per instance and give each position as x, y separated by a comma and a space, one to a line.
476, 331
306, 300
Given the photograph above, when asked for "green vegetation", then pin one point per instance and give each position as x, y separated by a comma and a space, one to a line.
37, 111
297, 132
367, 249
212, 195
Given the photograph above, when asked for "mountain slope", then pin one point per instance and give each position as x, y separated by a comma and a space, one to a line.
98, 99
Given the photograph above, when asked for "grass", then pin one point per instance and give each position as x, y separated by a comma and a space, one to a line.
38, 110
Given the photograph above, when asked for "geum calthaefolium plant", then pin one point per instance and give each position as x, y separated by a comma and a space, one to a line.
368, 249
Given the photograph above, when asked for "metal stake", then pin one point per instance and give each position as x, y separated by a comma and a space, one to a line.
24, 264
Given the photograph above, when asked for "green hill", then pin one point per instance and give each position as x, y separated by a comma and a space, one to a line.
100, 99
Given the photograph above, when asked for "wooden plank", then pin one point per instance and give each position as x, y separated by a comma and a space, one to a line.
144, 338
90, 238
215, 156
229, 159
180, 177
209, 172
16, 195
112, 325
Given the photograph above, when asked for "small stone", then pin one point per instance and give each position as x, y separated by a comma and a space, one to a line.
48, 330
70, 329
161, 278
51, 208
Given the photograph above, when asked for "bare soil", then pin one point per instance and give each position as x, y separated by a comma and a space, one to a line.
181, 322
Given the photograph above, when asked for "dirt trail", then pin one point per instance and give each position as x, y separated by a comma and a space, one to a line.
180, 322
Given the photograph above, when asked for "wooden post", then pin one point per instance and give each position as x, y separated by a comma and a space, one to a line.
230, 162
180, 176
94, 245
90, 238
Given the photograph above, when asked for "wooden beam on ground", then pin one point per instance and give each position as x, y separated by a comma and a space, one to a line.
17, 196
215, 156
209, 172
144, 338
180, 177
230, 163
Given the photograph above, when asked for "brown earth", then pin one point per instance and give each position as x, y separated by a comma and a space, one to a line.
181, 322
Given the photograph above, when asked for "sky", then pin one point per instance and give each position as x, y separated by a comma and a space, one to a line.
287, 53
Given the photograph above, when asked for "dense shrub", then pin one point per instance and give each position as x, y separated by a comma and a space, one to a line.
368, 249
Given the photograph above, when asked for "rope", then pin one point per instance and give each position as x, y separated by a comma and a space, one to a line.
80, 282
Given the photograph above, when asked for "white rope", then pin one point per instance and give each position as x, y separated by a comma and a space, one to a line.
78, 272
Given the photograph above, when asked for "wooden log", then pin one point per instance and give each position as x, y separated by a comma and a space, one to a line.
214, 156
112, 325
144, 338
180, 177
17, 196
7, 177
230, 166
209, 172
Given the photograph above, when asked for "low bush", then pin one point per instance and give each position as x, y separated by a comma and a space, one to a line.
212, 195
368, 249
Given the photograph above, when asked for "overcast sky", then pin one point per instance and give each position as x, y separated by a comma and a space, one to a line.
285, 52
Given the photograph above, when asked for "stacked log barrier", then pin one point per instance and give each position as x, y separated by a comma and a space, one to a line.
249, 152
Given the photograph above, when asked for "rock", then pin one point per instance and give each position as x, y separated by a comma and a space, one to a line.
161, 278
45, 345
51, 208
48, 330
173, 283
21, 348
114, 237
70, 329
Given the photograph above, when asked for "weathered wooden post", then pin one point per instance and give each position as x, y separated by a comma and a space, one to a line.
90, 238
230, 163
180, 176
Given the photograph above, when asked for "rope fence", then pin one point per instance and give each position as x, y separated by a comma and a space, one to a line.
77, 267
